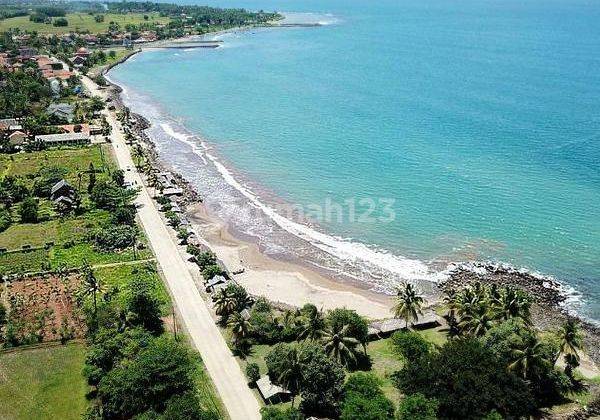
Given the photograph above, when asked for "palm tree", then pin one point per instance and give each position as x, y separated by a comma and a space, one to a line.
91, 285
526, 357
571, 340
477, 321
224, 303
340, 345
138, 154
292, 372
240, 329
313, 326
408, 304
512, 303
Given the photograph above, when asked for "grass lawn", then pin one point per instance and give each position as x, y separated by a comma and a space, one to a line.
74, 256
384, 363
73, 159
23, 262
81, 22
43, 383
58, 231
119, 277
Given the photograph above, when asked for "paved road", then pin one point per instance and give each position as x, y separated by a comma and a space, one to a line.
206, 337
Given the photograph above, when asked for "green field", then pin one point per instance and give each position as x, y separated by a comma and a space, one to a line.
81, 22
43, 383
74, 159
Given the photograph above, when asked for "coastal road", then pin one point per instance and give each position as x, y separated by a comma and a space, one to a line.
222, 367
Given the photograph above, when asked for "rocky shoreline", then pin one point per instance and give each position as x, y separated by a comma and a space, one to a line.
548, 311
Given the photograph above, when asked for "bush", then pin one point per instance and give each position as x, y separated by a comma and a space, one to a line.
99, 18
252, 372
364, 399
5, 219
61, 22
124, 215
115, 237
206, 259
45, 180
143, 307
410, 345
29, 210
276, 413
417, 407
211, 271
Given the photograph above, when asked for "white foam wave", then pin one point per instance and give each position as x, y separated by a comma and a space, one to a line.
184, 138
406, 268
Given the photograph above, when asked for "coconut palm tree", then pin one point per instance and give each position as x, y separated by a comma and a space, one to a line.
91, 285
224, 303
313, 326
526, 357
240, 329
137, 153
512, 303
571, 339
477, 321
292, 373
408, 304
340, 345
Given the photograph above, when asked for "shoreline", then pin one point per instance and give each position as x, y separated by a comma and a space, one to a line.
300, 281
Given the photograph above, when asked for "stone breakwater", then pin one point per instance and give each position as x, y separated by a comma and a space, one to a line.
548, 312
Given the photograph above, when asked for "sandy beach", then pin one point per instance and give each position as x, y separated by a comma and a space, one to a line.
280, 281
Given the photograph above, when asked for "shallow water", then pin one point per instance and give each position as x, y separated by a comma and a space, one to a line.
478, 119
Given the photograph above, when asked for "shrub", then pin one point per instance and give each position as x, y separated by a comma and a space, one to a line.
115, 237
61, 22
29, 210
417, 407
5, 219
276, 413
211, 271
364, 399
410, 345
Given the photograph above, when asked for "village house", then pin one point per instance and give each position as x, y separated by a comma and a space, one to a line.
10, 125
270, 392
65, 139
61, 110
62, 189
17, 138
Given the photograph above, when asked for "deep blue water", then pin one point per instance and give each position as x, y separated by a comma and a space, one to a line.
479, 118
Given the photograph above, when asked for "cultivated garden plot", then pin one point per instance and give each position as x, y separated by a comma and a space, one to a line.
42, 309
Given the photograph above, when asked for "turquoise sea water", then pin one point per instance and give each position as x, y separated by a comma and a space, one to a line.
481, 119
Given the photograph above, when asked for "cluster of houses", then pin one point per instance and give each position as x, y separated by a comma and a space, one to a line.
80, 58
105, 39
71, 134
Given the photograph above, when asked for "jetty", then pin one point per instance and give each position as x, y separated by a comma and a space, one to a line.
183, 44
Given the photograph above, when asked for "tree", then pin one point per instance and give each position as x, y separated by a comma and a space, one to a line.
29, 210
527, 356
91, 285
312, 323
224, 303
92, 178
408, 304
468, 380
410, 345
144, 307
322, 382
138, 154
339, 344
417, 407
291, 372
186, 406
357, 326
252, 372
61, 21
118, 177
160, 371
512, 303
364, 399
240, 329
571, 340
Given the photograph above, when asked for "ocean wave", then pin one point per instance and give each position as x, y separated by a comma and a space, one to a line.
344, 249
